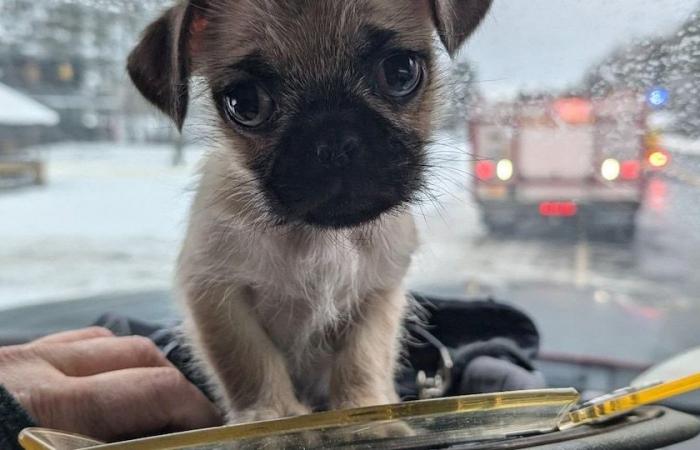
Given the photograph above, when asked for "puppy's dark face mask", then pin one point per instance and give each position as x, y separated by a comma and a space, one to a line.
329, 102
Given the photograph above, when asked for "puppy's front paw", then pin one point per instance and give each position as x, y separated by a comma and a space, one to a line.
350, 401
267, 412
292, 441
379, 430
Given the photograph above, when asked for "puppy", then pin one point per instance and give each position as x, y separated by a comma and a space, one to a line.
300, 236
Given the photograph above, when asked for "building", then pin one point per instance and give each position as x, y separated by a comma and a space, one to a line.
71, 57
23, 123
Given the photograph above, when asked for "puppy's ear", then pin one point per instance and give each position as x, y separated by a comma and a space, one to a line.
457, 19
159, 66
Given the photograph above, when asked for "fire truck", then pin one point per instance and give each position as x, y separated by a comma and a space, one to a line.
558, 160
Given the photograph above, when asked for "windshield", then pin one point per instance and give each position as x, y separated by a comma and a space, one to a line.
564, 178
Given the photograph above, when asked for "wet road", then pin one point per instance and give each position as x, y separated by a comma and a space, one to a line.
637, 302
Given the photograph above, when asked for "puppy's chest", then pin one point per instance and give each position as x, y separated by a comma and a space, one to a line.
305, 290
304, 296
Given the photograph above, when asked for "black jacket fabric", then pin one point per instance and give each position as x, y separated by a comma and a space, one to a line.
13, 419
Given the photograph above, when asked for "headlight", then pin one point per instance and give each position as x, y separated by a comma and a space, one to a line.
504, 169
610, 169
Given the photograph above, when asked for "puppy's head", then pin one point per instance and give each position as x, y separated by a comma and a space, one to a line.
326, 103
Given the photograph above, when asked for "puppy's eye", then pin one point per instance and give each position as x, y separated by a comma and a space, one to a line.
248, 104
399, 75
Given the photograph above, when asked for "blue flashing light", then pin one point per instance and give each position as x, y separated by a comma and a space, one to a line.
658, 97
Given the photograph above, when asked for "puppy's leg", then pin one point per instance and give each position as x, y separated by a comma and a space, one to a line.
363, 371
251, 369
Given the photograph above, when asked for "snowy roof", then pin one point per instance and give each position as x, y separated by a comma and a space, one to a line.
20, 110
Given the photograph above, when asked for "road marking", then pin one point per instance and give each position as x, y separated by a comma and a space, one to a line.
582, 263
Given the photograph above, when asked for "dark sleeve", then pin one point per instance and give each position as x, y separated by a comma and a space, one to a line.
13, 419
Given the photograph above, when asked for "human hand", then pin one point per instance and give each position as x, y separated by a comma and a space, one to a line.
110, 388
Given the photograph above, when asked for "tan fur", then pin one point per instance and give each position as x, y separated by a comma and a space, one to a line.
270, 307
292, 317
289, 318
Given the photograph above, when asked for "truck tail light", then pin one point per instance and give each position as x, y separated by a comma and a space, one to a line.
485, 170
630, 170
558, 209
504, 169
659, 159
610, 169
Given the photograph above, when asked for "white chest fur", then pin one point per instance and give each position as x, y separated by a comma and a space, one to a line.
306, 285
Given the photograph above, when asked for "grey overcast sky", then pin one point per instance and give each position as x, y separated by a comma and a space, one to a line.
550, 43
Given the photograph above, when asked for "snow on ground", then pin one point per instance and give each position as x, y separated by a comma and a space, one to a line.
109, 219
112, 216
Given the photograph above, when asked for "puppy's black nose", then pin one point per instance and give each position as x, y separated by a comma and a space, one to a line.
338, 151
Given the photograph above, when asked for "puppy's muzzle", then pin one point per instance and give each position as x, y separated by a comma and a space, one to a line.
341, 168
338, 150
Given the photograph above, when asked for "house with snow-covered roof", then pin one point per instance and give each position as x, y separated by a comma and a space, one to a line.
22, 120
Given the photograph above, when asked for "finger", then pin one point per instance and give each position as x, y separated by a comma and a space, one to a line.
75, 335
145, 401
100, 355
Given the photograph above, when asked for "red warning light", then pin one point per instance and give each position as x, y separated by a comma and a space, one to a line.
485, 170
575, 110
630, 170
558, 209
